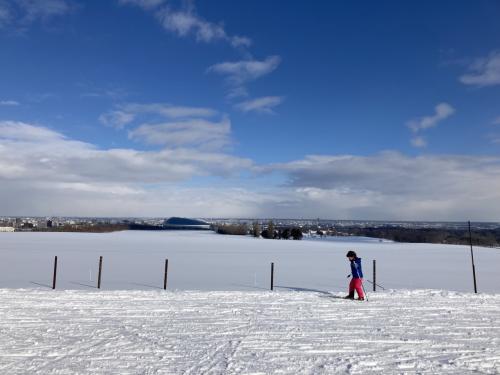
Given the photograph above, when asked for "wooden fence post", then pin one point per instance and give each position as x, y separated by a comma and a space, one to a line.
99, 275
374, 275
272, 276
54, 276
165, 275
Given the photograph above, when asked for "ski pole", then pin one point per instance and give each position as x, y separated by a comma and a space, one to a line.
364, 291
380, 286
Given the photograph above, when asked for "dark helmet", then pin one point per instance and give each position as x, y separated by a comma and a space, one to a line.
351, 253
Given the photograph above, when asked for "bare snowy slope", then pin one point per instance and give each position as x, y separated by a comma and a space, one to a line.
155, 332
208, 261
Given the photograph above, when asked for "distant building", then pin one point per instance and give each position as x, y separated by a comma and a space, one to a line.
185, 223
7, 229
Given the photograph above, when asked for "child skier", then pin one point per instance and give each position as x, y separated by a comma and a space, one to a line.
357, 277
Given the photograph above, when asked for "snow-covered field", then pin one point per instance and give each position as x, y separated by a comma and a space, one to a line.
207, 261
157, 332
218, 316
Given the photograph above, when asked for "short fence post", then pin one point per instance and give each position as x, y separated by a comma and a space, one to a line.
374, 275
99, 275
165, 275
54, 276
272, 276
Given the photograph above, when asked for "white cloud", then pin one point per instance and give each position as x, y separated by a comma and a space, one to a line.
240, 41
239, 72
90, 90
43, 172
5, 14
117, 119
496, 121
197, 133
484, 71
35, 153
38, 10
262, 105
11, 103
145, 4
20, 131
125, 114
442, 111
168, 110
391, 185
186, 22
22, 13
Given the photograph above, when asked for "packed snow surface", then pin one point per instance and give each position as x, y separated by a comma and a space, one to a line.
237, 332
208, 261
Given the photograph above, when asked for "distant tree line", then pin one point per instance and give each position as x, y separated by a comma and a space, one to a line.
480, 237
270, 232
98, 228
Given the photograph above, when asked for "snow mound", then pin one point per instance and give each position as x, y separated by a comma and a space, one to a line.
191, 332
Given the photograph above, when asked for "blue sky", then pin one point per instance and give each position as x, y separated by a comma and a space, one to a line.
385, 110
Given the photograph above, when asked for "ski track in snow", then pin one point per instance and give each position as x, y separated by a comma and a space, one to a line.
188, 332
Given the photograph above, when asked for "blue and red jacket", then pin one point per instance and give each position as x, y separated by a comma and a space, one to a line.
356, 270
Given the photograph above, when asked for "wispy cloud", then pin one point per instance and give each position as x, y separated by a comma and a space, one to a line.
5, 14
186, 22
117, 118
484, 71
260, 105
19, 14
495, 139
145, 4
198, 133
238, 73
125, 114
496, 121
11, 103
171, 126
442, 112
90, 90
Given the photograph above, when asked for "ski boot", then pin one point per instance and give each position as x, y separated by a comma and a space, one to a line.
349, 296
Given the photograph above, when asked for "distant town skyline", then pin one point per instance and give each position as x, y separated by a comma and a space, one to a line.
339, 110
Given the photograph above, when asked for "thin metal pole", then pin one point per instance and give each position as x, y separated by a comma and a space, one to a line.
472, 258
54, 277
165, 275
272, 276
99, 275
374, 275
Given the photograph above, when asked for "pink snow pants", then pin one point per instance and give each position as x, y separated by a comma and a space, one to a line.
355, 285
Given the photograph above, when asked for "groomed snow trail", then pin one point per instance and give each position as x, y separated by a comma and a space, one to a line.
286, 332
